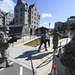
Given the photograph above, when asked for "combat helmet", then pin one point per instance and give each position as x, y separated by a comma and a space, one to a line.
72, 26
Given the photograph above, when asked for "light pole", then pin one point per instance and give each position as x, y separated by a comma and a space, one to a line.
49, 26
49, 29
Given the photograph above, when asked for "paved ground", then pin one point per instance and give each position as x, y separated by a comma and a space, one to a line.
16, 69
42, 61
29, 58
21, 55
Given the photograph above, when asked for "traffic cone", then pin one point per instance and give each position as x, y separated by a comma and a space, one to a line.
54, 70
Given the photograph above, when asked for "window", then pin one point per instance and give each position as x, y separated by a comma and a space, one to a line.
21, 20
32, 21
35, 14
21, 9
16, 20
32, 17
21, 15
16, 10
16, 16
6, 20
9, 18
10, 15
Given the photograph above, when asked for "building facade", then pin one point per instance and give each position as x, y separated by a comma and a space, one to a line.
58, 25
1, 18
8, 18
70, 20
21, 13
34, 17
26, 15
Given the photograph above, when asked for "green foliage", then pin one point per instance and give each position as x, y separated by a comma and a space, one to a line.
33, 43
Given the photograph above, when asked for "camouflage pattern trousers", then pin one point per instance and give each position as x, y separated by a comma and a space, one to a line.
68, 72
4, 50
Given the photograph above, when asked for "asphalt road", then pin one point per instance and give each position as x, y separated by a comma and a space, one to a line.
16, 69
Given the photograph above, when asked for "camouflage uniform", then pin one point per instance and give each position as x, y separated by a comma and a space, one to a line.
56, 36
4, 49
67, 58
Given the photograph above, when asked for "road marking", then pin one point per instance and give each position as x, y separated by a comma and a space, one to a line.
5, 67
11, 63
21, 70
21, 63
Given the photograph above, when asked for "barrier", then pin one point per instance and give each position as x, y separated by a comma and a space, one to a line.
54, 70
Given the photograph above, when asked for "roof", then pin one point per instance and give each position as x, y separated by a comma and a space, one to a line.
42, 28
31, 6
24, 2
1, 13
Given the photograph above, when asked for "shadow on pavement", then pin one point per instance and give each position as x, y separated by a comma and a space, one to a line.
40, 56
47, 61
1, 60
27, 54
1, 67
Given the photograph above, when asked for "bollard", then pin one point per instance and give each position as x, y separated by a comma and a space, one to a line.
54, 70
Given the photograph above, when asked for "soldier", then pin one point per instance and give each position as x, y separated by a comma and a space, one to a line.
4, 45
56, 36
67, 58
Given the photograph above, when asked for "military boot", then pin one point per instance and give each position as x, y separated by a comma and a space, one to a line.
9, 64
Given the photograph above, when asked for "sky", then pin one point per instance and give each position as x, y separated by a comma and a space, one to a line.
50, 11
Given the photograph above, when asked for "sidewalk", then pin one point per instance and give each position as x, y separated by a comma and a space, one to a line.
42, 61
21, 55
